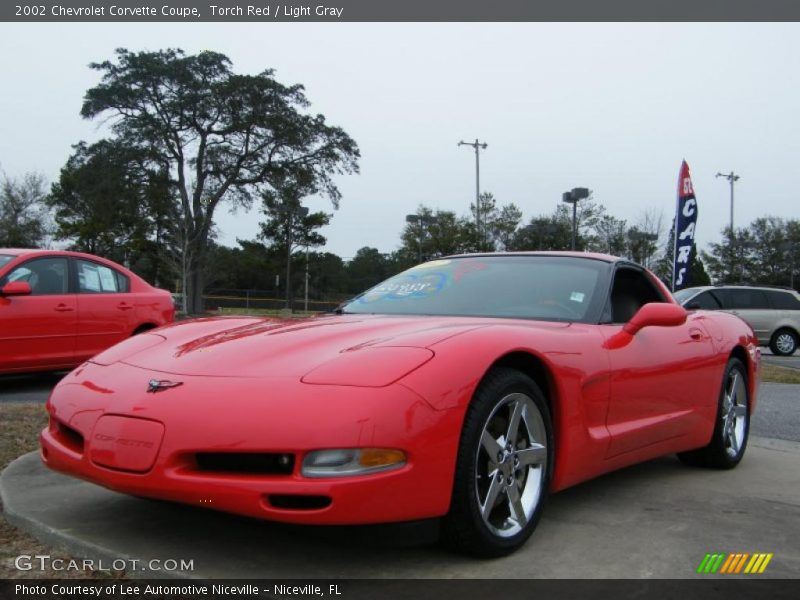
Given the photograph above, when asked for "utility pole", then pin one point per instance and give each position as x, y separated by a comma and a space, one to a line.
477, 145
732, 178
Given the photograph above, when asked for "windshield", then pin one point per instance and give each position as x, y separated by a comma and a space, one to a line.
682, 296
527, 287
4, 260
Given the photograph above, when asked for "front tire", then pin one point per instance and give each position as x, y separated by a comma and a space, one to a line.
503, 469
783, 342
732, 427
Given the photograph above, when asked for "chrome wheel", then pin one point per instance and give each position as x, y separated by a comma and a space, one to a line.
734, 413
511, 463
785, 343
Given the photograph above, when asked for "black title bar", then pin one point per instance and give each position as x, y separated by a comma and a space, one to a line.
398, 10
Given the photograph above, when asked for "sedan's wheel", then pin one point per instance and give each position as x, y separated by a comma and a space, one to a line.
733, 423
783, 342
504, 464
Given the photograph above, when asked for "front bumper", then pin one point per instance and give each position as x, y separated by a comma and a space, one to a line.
248, 415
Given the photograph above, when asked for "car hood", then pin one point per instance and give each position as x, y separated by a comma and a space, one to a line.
250, 347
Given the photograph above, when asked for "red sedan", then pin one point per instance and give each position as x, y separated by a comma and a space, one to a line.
466, 388
59, 308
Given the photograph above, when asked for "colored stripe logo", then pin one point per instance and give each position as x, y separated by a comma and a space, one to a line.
734, 563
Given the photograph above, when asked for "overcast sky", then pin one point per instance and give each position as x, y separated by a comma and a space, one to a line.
614, 108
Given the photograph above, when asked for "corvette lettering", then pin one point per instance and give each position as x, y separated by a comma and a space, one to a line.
100, 437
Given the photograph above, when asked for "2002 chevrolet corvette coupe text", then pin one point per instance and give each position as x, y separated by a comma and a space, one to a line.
59, 308
465, 388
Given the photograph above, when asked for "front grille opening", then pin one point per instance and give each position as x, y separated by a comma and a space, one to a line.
250, 463
299, 502
69, 437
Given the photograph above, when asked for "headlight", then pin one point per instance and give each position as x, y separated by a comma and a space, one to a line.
353, 461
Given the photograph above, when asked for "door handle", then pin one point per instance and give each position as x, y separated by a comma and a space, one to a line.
696, 334
124, 306
63, 308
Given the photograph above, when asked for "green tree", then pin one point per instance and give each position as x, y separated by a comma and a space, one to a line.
544, 232
289, 225
611, 235
731, 260
114, 201
588, 214
24, 220
219, 135
498, 225
368, 267
433, 234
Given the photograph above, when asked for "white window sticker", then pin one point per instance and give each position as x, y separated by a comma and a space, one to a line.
577, 296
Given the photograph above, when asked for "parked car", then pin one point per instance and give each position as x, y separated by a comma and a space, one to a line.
465, 388
773, 313
58, 309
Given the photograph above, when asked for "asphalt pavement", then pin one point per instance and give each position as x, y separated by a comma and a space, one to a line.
658, 519
654, 520
790, 362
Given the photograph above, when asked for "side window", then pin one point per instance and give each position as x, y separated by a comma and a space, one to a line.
744, 299
94, 278
632, 289
705, 301
46, 276
783, 300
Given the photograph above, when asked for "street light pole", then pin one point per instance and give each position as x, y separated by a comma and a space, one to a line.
732, 178
305, 302
477, 145
572, 197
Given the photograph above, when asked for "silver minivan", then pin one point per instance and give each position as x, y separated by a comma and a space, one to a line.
772, 312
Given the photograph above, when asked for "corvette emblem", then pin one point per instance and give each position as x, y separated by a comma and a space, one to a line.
159, 385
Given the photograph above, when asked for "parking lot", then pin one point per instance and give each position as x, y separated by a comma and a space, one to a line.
671, 515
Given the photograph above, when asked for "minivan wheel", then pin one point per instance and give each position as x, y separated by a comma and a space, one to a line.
783, 342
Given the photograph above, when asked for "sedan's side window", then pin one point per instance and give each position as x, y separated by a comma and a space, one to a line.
46, 276
94, 278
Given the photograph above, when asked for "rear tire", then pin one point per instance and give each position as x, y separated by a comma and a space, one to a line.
783, 342
503, 469
732, 427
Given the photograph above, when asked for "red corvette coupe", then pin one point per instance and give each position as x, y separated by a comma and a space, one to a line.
59, 308
465, 388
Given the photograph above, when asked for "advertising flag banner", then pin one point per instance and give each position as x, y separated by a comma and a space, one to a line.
685, 223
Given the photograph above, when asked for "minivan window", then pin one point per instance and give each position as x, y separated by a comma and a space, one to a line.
783, 300
4, 260
705, 301
745, 298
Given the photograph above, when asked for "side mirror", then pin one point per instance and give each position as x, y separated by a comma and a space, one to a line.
16, 288
656, 314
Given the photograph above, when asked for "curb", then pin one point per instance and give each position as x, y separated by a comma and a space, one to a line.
61, 540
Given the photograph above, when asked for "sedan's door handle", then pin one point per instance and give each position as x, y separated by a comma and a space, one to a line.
696, 334
63, 308
124, 306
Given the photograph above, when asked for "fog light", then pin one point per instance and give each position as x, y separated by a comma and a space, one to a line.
355, 461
